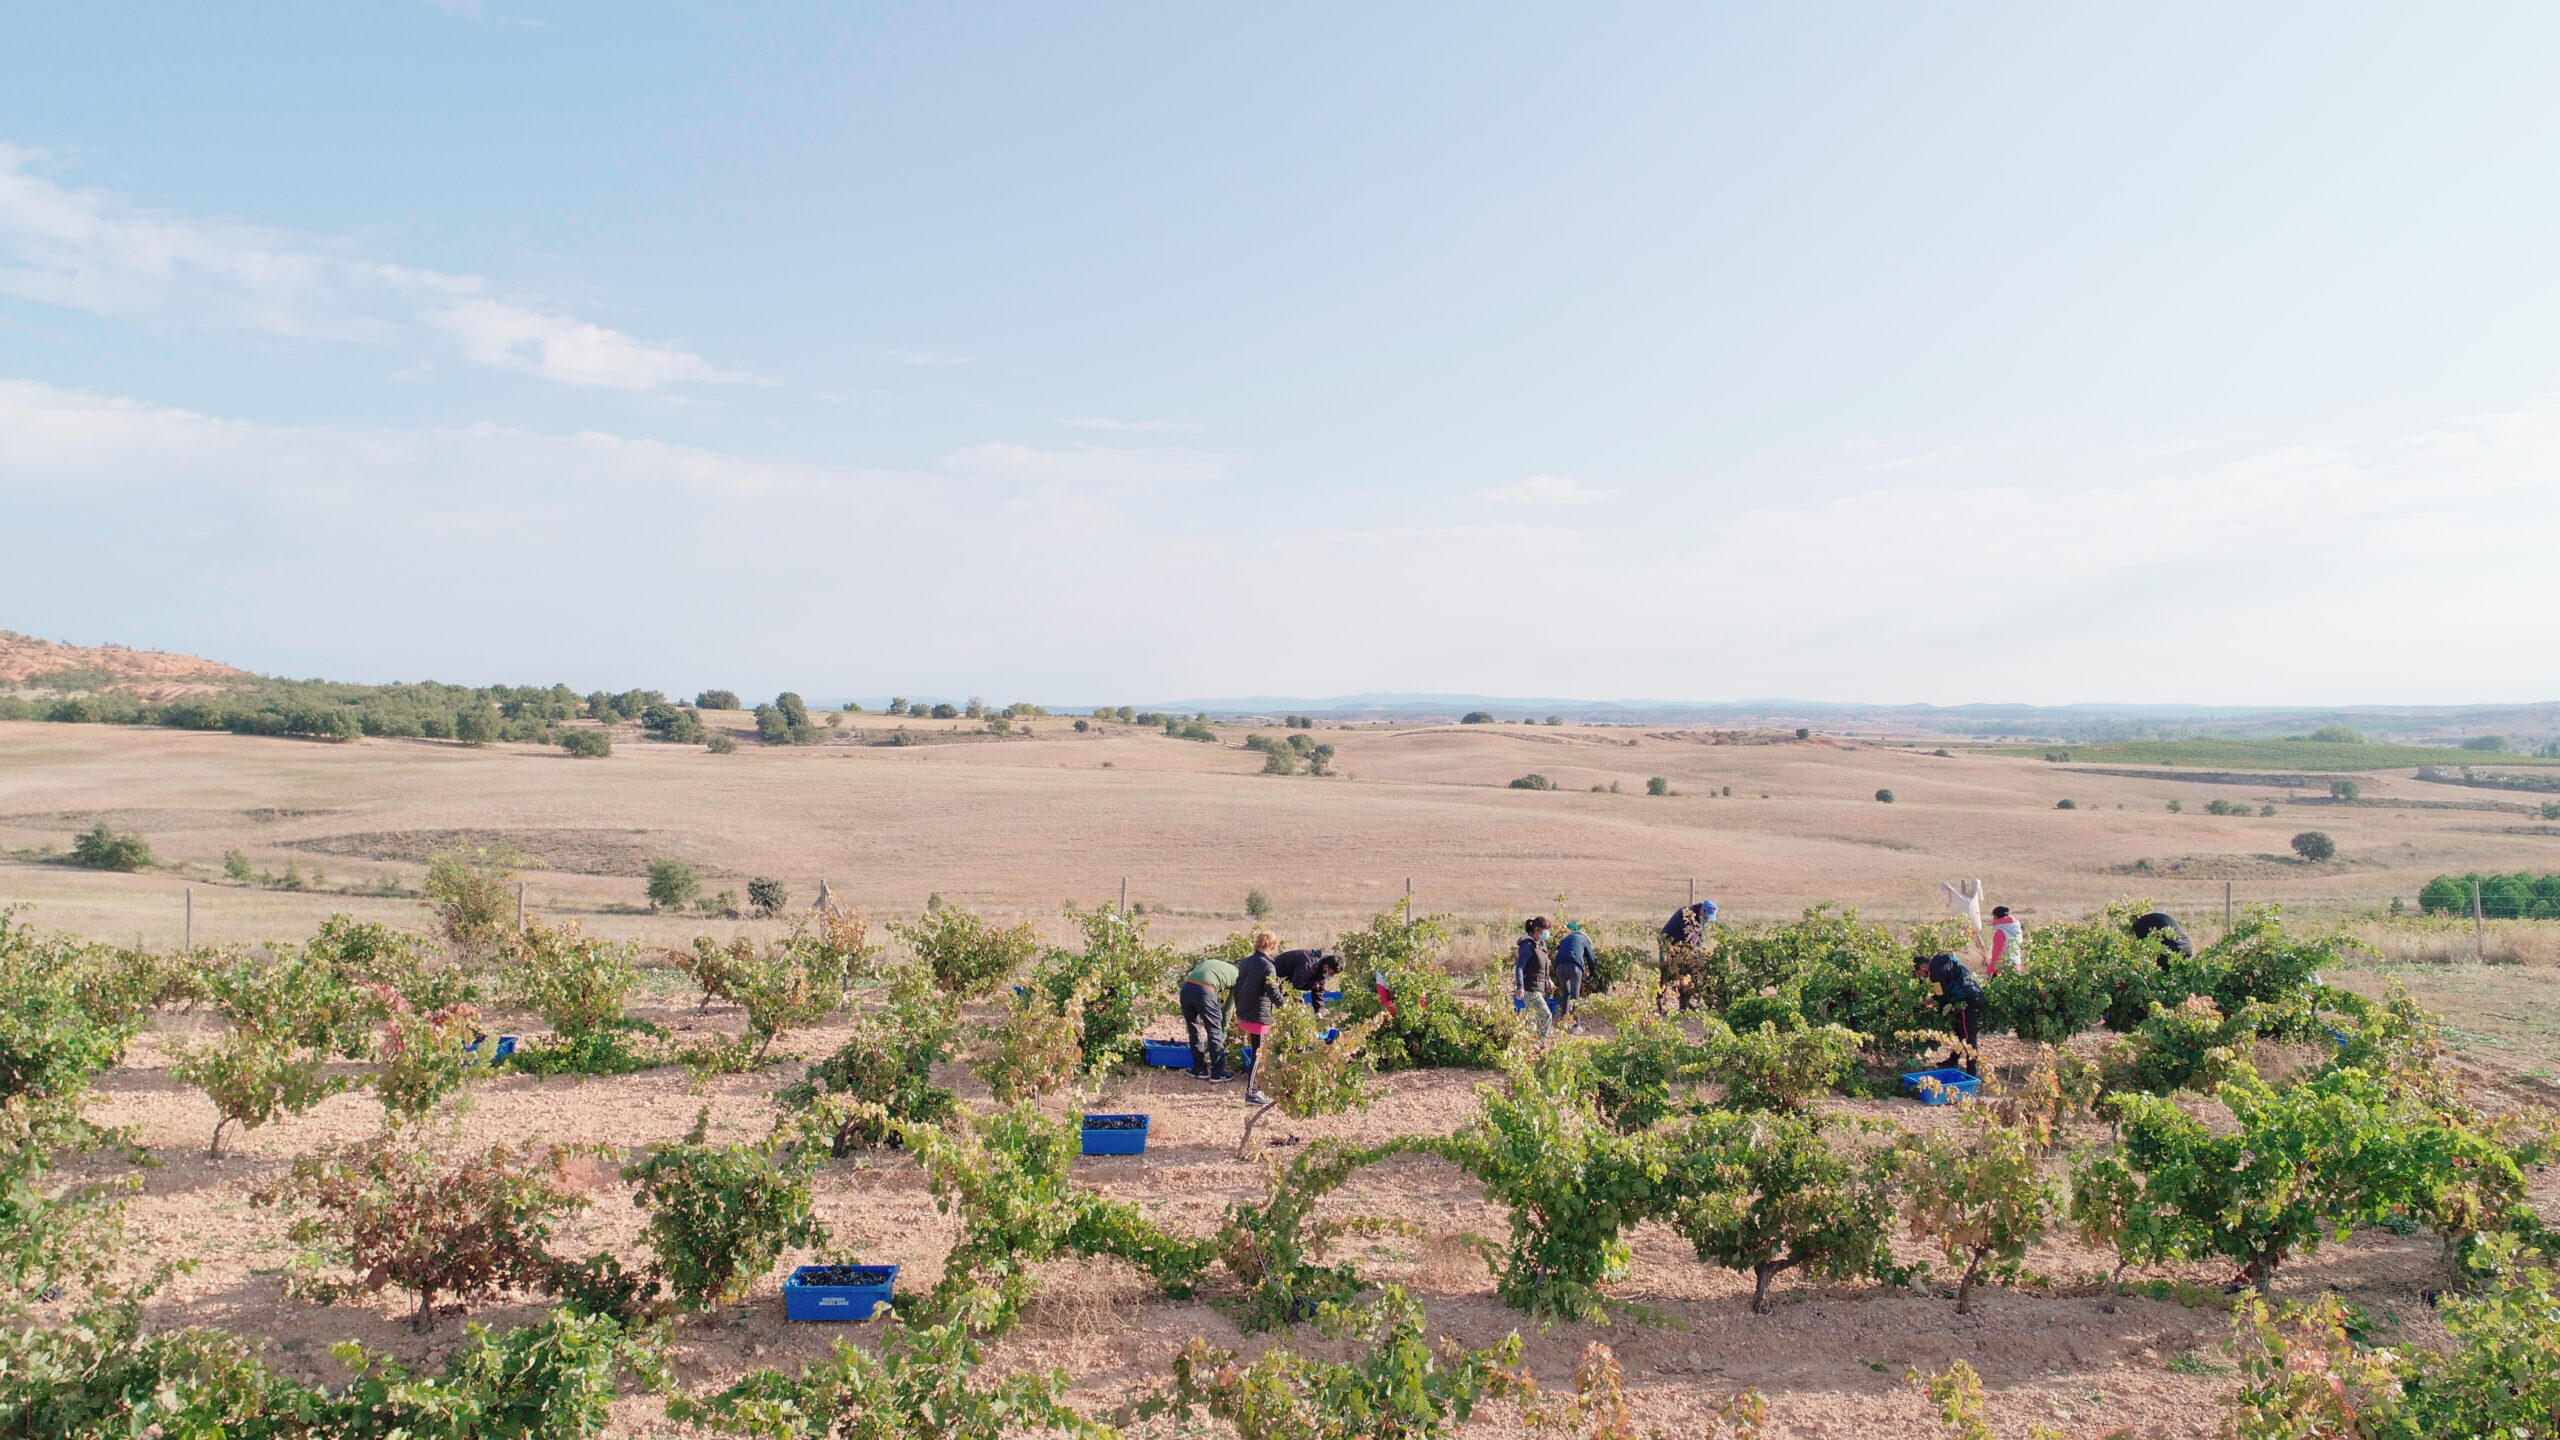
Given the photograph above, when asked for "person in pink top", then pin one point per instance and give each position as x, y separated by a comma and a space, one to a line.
2008, 942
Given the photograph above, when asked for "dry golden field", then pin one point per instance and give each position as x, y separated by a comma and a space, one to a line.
1018, 827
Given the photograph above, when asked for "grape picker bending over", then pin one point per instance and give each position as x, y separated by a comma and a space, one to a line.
1961, 994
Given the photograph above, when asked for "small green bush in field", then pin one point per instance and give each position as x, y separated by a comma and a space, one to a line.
104, 849
720, 1215
2315, 847
1658, 785
969, 958
672, 884
587, 744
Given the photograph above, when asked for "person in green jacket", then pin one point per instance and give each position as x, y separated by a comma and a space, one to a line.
1204, 1016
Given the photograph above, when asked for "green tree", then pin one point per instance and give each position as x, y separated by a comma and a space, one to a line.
767, 896
587, 744
1658, 785
2314, 846
672, 884
716, 700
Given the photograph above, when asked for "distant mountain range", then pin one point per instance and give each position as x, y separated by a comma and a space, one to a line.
2086, 722
158, 675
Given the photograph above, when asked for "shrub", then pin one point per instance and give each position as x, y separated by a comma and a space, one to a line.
766, 896
1533, 782
1010, 1178
1306, 1076
2084, 972
2488, 744
1803, 733
1121, 978
946, 712
1273, 1248
2192, 1047
2344, 790
1774, 1068
286, 1018
2305, 1162
252, 1077
2066, 805
476, 724
400, 1215
470, 893
791, 982
587, 744
674, 724
720, 745
104, 849
1658, 785
2314, 846
716, 700
1257, 905
1392, 1389
1280, 760
720, 1215
1884, 797
968, 957
424, 1062
881, 1079
1035, 1050
56, 1029
576, 982
1476, 717
916, 1386
1984, 1202
1646, 1069
1426, 1025
1573, 1186
672, 883
1771, 1193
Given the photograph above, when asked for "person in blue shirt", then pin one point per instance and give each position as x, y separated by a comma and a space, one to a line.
1961, 995
1572, 964
1529, 973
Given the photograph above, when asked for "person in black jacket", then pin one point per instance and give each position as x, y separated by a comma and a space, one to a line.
1257, 1005
1311, 971
2173, 939
1961, 994
1529, 973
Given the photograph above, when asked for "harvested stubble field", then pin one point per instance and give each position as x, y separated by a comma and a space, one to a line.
1015, 828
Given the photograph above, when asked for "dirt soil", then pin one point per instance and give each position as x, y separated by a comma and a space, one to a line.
1017, 827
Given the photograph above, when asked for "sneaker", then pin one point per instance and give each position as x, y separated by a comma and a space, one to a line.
1220, 1079
1198, 1074
1256, 1097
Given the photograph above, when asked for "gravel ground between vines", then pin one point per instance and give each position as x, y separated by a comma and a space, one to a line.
1832, 1361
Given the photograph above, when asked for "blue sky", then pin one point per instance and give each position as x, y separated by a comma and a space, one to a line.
1997, 353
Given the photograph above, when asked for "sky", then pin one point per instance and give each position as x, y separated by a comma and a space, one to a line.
1104, 354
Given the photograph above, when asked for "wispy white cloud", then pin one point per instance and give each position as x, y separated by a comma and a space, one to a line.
556, 347
89, 251
1544, 490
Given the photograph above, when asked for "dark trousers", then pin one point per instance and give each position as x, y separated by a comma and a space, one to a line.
1204, 1016
1568, 988
1968, 1023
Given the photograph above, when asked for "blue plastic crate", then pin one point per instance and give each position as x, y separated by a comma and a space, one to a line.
1953, 1085
506, 1047
1331, 997
1115, 1142
1332, 1035
1170, 1054
838, 1302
